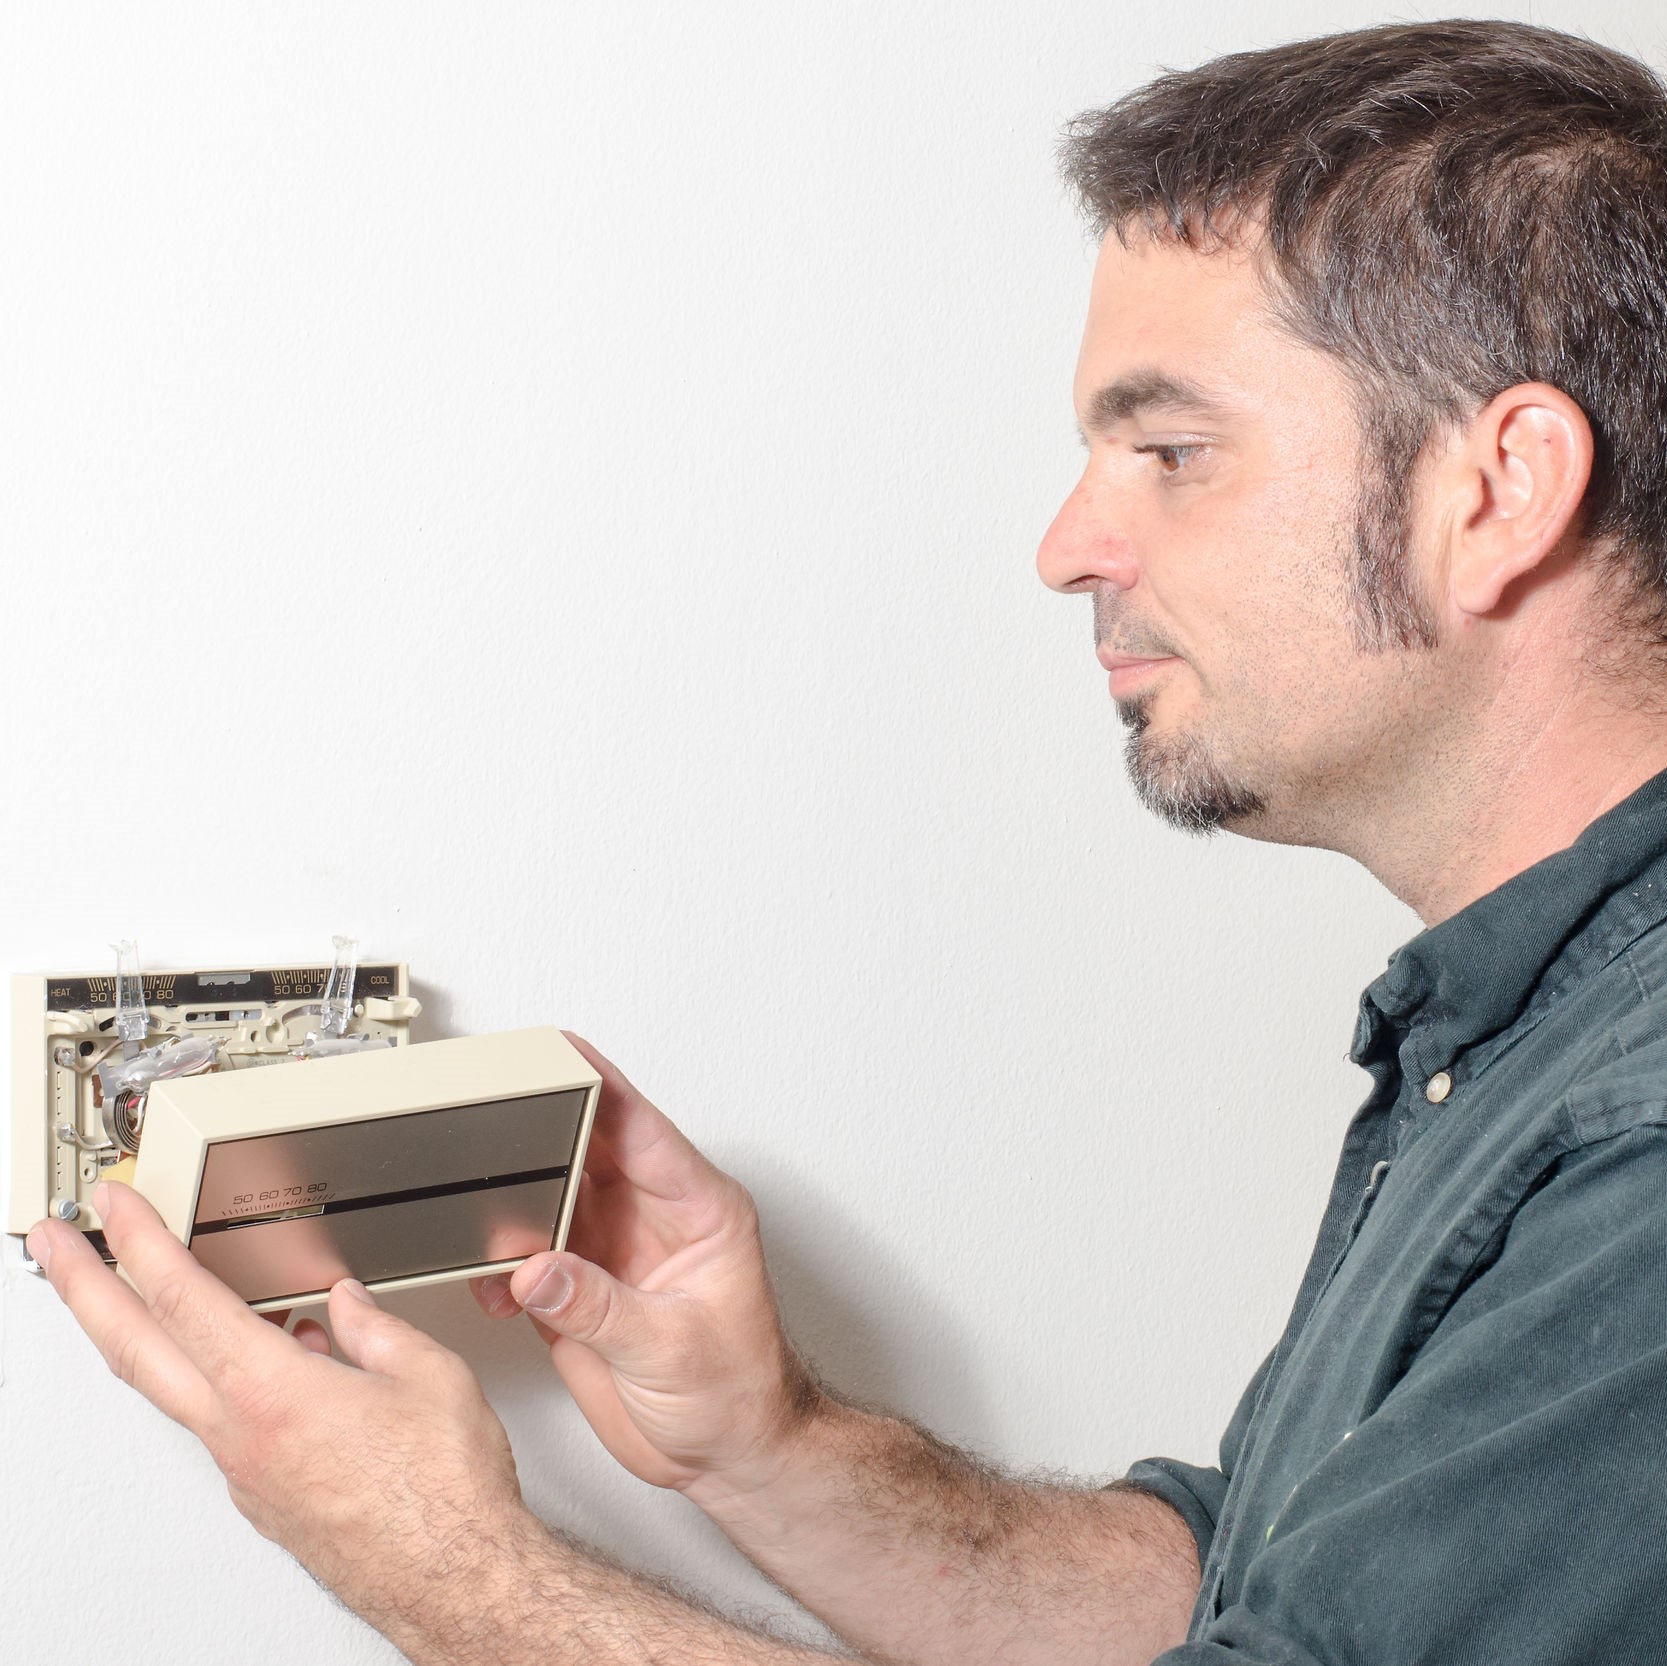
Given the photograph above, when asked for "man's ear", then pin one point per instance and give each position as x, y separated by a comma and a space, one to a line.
1519, 476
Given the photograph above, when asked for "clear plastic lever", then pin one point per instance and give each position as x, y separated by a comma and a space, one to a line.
337, 1008
132, 1016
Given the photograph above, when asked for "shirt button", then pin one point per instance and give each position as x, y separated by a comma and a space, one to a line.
1438, 1087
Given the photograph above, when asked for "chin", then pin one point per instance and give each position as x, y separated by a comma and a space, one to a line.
1180, 781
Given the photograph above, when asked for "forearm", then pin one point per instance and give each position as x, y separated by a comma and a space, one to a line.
915, 1552
519, 1595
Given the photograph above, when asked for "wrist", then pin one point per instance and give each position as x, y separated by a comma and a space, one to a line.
765, 1492
451, 1612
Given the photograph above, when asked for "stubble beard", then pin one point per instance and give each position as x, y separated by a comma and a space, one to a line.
1176, 778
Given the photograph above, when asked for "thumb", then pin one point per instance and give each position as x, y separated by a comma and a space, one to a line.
371, 1338
576, 1299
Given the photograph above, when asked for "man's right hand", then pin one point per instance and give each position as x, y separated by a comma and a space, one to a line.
663, 1325
660, 1316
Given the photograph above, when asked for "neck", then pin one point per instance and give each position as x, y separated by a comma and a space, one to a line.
1529, 792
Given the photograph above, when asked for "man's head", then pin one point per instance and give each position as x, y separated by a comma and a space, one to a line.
1434, 220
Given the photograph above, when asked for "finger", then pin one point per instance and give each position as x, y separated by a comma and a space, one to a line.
647, 1147
567, 1296
603, 1065
121, 1327
214, 1328
596, 1229
312, 1336
375, 1340
493, 1294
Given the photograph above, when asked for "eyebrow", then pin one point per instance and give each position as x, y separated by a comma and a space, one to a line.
1147, 390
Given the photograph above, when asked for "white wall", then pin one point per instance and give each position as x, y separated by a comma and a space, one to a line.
551, 490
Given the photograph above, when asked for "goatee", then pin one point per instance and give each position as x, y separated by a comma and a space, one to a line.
1176, 778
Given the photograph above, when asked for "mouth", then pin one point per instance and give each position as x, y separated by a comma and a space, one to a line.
1127, 674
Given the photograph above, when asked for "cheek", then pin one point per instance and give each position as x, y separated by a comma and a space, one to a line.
1255, 580
1272, 630
1300, 537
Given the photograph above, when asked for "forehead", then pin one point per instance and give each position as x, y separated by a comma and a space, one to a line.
1161, 309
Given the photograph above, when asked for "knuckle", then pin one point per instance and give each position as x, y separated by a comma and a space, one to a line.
744, 1207
585, 1307
452, 1374
258, 1404
169, 1301
238, 1457
732, 1213
594, 1307
121, 1354
727, 1208
252, 1434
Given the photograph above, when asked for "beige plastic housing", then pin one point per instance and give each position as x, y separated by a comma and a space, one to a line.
63, 1026
399, 1166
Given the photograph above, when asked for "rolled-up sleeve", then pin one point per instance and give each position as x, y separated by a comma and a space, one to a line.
1196, 1493
1193, 1492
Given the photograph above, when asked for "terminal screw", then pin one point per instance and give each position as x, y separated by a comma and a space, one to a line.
66, 1209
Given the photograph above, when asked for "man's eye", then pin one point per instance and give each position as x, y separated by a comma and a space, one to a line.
1171, 458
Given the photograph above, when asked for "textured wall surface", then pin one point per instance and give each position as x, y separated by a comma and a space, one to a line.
551, 489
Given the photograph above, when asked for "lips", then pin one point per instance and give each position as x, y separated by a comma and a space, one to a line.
1122, 662
1128, 671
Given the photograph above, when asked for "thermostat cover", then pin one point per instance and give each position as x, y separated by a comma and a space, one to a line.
397, 1166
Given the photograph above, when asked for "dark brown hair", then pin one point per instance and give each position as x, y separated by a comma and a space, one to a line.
1449, 209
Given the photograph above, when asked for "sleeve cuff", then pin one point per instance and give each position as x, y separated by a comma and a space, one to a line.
1195, 1494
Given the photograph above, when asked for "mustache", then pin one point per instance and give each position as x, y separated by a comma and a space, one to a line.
1121, 635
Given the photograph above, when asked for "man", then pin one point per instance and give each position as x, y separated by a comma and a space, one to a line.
1374, 523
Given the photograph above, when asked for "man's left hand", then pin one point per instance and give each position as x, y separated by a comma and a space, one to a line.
388, 1476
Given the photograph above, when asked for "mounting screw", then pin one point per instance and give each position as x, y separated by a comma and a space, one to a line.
66, 1209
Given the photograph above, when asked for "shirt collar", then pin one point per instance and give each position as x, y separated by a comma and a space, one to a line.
1477, 972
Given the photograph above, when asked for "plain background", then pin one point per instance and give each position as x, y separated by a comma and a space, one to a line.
551, 490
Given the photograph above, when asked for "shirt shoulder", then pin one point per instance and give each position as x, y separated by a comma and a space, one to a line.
1619, 1080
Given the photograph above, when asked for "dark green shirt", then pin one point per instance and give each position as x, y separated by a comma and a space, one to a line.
1457, 1453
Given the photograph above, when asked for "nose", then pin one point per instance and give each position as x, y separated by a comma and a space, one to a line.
1083, 546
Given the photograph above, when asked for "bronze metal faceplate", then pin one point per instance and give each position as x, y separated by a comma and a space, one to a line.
286, 1215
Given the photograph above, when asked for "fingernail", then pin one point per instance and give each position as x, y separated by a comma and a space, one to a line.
550, 1291
356, 1290
40, 1251
497, 1296
101, 1199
